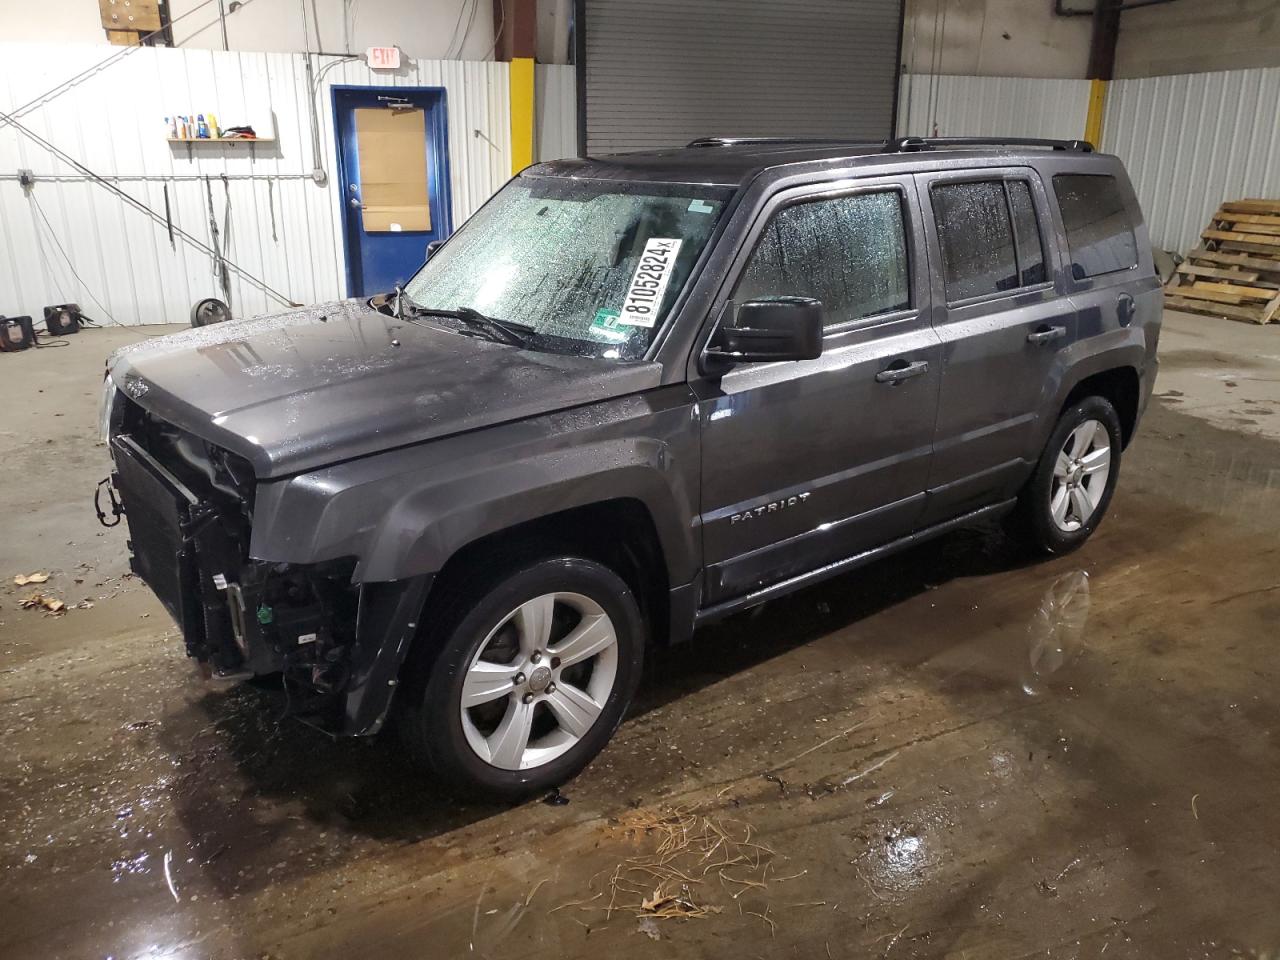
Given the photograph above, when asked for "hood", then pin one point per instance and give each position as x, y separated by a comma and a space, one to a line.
313, 386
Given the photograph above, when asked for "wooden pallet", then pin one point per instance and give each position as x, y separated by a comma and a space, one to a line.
1236, 271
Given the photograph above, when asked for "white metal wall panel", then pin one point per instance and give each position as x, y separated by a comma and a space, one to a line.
953, 106
98, 251
664, 72
556, 115
1194, 140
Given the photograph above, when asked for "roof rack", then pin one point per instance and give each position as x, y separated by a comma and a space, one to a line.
912, 144
782, 141
900, 145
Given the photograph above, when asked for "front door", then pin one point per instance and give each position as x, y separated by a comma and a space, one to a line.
393, 173
812, 461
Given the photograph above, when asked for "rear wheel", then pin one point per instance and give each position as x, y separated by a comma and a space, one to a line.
1071, 488
532, 675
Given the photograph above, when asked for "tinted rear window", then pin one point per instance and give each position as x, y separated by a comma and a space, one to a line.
1099, 231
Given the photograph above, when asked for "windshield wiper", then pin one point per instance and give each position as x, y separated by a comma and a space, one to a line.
517, 334
499, 331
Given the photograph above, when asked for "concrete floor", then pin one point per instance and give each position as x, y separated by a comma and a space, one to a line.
951, 753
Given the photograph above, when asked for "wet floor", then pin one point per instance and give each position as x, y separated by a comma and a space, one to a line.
952, 753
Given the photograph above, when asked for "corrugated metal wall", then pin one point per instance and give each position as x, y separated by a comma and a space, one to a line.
284, 228
663, 72
1194, 140
951, 106
556, 112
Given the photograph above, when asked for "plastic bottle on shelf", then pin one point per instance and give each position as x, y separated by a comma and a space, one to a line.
202, 128
171, 125
214, 132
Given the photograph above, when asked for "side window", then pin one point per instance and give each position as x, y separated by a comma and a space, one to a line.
849, 252
976, 238
1027, 231
1099, 231
989, 236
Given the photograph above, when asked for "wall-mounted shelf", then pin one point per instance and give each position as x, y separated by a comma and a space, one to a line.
221, 139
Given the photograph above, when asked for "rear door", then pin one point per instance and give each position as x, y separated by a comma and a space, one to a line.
1005, 326
808, 462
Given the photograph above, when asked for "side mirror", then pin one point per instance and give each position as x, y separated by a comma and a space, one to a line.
765, 331
432, 247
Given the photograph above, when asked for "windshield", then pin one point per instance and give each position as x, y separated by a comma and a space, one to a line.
590, 267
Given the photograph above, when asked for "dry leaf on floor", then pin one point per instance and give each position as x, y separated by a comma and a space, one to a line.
22, 579
52, 604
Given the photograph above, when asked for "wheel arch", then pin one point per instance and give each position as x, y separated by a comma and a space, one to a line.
619, 533
1120, 386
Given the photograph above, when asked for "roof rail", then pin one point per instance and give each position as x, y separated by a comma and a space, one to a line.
911, 144
782, 141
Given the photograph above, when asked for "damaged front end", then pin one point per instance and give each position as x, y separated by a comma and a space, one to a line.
189, 505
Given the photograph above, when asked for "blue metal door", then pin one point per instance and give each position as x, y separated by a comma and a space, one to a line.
388, 217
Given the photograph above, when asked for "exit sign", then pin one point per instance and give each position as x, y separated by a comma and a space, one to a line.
383, 58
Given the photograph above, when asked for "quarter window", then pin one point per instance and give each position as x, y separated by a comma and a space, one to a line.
1027, 231
1099, 231
990, 237
849, 252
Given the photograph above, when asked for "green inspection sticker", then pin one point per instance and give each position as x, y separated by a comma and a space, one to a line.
605, 327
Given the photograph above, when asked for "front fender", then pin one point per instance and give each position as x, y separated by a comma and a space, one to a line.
429, 525
405, 512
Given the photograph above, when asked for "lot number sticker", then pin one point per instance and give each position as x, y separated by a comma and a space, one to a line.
644, 296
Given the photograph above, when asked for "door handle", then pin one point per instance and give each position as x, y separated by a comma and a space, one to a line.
1046, 334
1125, 309
902, 370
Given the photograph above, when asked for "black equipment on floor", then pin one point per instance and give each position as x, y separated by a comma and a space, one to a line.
16, 333
62, 319
210, 310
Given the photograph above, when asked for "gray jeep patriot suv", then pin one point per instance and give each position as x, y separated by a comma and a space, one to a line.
630, 395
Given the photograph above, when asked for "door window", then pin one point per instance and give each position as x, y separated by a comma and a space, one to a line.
849, 252
1099, 232
989, 236
392, 149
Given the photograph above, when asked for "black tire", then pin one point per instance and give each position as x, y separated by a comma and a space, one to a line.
1032, 522
432, 722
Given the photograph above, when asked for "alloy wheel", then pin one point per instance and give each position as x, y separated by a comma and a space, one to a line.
1080, 476
539, 681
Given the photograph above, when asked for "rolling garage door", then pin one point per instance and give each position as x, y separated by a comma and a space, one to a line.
660, 73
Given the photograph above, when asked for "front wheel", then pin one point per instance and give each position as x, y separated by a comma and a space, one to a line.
1071, 488
530, 678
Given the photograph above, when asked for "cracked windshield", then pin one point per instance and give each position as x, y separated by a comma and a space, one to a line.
590, 267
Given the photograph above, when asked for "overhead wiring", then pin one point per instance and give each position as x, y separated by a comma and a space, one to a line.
453, 35
471, 20
497, 33
935, 81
